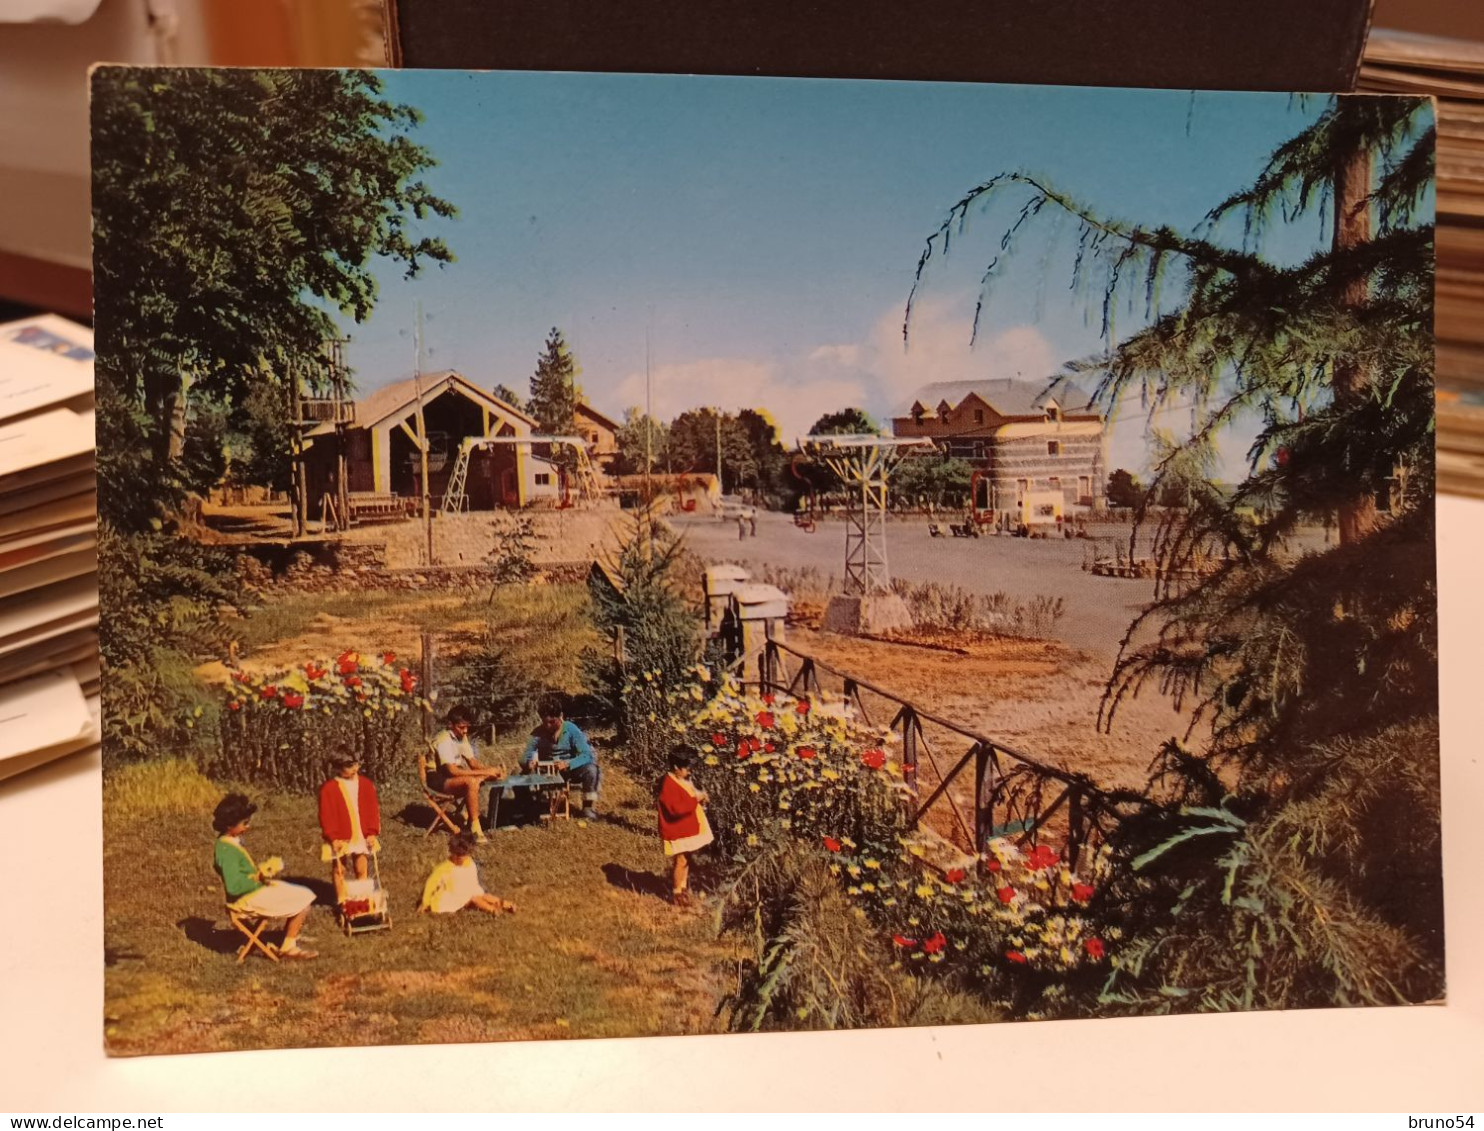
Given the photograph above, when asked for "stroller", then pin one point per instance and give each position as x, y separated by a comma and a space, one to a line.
364, 906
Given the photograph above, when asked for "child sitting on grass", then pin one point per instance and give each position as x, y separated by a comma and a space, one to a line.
454, 884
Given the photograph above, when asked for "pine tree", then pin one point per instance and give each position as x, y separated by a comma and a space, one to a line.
1316, 672
554, 395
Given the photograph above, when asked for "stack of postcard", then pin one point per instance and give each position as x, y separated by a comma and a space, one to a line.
48, 543
1453, 71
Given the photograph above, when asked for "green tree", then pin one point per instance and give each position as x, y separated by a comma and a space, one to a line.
1297, 662
940, 480
694, 439
848, 421
236, 214
554, 395
1124, 489
642, 441
510, 397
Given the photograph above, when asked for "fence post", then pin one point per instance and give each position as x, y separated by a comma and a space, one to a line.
909, 747
983, 814
426, 665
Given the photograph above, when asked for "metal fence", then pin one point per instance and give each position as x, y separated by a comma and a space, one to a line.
952, 768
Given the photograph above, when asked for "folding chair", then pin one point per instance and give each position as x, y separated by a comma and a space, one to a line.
251, 926
426, 760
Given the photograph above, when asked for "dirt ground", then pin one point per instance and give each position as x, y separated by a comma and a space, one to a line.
464, 539
1038, 697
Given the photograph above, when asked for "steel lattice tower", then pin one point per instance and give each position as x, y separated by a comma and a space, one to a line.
863, 464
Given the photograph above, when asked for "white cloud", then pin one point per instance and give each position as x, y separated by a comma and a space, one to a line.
938, 349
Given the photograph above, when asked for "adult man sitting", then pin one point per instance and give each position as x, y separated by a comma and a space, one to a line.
562, 743
458, 771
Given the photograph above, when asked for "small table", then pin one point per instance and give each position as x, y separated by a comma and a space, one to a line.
538, 785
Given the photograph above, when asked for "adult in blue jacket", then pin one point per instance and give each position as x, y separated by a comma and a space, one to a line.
560, 741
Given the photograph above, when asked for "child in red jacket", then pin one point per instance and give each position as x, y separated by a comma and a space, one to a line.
349, 818
683, 824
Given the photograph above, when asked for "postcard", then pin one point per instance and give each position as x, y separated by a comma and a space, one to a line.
617, 555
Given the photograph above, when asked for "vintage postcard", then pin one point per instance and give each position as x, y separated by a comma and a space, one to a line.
613, 555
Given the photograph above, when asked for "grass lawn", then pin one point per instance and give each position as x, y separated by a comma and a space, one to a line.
594, 950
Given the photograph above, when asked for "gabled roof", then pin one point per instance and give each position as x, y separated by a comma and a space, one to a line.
1009, 396
606, 421
400, 397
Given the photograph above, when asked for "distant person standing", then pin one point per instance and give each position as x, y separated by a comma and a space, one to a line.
752, 523
741, 528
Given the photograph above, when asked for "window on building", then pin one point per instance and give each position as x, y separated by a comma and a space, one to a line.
1022, 488
1053, 447
1054, 483
978, 416
543, 479
918, 412
1053, 413
978, 449
1084, 488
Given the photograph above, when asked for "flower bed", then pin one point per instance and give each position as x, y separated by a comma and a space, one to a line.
280, 728
802, 771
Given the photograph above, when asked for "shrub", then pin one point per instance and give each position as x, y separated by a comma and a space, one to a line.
169, 603
654, 639
279, 729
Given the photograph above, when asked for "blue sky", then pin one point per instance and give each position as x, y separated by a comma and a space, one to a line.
764, 232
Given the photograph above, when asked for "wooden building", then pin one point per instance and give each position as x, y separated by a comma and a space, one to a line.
377, 437
600, 434
1023, 438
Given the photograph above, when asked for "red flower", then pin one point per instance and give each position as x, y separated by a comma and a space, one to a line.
1006, 894
353, 681
992, 865
935, 944
293, 700
954, 875
718, 740
765, 719
348, 662
768, 698
314, 671
1042, 856
769, 748
234, 706
903, 940
269, 692
1082, 892
389, 658
832, 844
806, 752
1015, 956
874, 759
409, 681
1094, 947
240, 677
802, 706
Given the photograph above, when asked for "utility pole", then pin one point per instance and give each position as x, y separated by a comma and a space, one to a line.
422, 425
720, 486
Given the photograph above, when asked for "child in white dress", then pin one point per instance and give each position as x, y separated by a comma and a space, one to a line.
454, 884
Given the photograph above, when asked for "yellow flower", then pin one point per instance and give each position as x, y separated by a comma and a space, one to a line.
829, 774
870, 861
923, 892
868, 887
916, 849
852, 891
751, 840
737, 828
711, 760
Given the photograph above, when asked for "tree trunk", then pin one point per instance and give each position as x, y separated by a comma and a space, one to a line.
1352, 378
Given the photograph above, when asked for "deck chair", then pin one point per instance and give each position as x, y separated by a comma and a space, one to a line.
251, 927
446, 806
